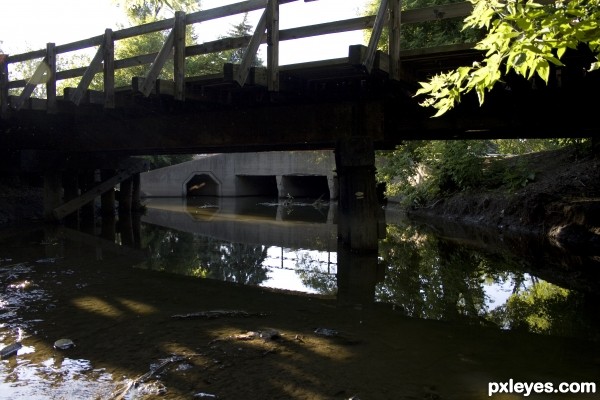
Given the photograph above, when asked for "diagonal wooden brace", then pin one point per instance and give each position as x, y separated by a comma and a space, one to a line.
73, 205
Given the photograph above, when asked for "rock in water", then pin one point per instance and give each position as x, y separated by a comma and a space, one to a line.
10, 350
63, 344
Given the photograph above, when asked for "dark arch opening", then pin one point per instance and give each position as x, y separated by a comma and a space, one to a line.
311, 186
256, 185
201, 185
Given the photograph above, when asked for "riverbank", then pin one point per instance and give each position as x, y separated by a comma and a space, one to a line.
560, 201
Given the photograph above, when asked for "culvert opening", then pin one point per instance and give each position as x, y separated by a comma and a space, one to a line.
256, 185
309, 186
201, 185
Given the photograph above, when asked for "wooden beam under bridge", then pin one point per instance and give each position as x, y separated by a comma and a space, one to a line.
121, 175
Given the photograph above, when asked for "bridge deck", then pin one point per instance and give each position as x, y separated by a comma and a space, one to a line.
302, 106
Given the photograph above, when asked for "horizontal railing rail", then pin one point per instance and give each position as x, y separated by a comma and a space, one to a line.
267, 31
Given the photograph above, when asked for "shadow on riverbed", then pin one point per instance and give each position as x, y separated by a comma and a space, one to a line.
61, 284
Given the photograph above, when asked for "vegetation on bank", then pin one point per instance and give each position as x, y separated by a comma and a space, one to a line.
422, 172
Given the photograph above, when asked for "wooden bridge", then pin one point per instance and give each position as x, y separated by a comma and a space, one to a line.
353, 104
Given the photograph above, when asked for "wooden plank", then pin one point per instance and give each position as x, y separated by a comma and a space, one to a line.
286, 34
137, 83
94, 67
158, 64
375, 36
88, 97
251, 50
225, 11
80, 44
394, 39
165, 87
135, 61
257, 76
32, 55
40, 74
346, 25
37, 104
145, 28
179, 55
273, 45
109, 69
72, 205
218, 45
51, 82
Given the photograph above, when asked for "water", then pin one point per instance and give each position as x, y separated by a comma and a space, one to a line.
445, 308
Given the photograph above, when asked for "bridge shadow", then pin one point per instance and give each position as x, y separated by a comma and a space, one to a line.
121, 319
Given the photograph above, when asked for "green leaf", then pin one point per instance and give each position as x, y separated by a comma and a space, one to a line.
543, 70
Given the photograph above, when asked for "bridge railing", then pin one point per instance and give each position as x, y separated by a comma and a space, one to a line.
267, 31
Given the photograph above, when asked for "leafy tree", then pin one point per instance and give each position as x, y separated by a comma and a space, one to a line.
424, 170
240, 263
148, 10
426, 34
524, 37
144, 11
242, 29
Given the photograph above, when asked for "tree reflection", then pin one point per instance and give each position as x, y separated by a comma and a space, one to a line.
240, 263
428, 277
548, 309
312, 274
201, 256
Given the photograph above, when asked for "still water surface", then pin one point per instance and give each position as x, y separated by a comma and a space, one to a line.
423, 271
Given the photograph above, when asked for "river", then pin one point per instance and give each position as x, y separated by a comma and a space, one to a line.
255, 298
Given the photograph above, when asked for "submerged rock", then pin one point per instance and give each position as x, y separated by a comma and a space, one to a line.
63, 344
10, 350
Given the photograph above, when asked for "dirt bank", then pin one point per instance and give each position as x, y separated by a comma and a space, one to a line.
562, 201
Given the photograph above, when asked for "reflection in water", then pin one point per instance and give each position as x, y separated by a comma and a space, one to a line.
61, 284
429, 277
419, 274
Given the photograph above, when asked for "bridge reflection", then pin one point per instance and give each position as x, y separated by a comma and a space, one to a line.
309, 226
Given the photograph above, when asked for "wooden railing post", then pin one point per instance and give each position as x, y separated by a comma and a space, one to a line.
109, 69
179, 56
3, 85
51, 78
394, 38
273, 45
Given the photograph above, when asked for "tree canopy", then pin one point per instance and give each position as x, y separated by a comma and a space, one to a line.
426, 34
146, 10
522, 36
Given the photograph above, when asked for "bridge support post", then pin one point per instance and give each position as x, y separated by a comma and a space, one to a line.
136, 192
87, 212
71, 191
52, 193
107, 199
355, 164
125, 220
125, 191
107, 208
